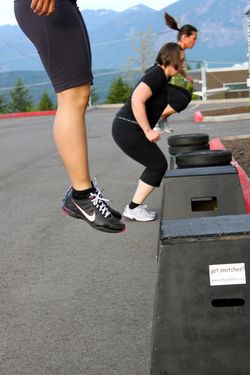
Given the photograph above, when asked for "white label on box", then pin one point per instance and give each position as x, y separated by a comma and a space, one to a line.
227, 274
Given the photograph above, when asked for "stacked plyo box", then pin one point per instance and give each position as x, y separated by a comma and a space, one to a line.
201, 322
198, 192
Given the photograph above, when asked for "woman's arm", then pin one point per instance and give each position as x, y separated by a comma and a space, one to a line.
43, 7
187, 77
139, 97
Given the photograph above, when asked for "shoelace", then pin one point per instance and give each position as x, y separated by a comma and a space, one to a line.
67, 192
98, 190
100, 203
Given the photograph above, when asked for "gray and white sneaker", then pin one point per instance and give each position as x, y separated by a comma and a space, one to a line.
162, 126
139, 213
149, 211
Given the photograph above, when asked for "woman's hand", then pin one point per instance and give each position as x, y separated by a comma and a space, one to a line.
152, 135
43, 7
189, 78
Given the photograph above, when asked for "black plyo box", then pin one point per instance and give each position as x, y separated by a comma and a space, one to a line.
201, 320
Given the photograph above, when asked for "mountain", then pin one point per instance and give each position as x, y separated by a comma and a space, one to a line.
222, 41
222, 29
37, 83
221, 23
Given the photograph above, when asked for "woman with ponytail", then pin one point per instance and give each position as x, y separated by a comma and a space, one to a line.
187, 34
179, 98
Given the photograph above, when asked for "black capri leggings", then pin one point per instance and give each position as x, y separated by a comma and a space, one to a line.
178, 97
131, 139
61, 40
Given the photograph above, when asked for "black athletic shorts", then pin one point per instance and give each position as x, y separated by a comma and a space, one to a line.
178, 97
61, 40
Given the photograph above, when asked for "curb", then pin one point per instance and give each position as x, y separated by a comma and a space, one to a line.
215, 144
198, 117
37, 113
27, 114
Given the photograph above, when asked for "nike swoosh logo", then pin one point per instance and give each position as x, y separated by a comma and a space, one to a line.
89, 217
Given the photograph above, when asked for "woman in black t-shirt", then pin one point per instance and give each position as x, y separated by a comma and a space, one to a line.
133, 126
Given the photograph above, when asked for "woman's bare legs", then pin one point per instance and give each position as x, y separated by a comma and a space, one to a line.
142, 192
71, 141
70, 134
136, 210
163, 126
168, 111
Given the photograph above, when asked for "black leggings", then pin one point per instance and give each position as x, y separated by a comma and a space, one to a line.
178, 97
61, 40
132, 140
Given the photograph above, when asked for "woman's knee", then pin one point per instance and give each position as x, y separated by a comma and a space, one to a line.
179, 98
154, 175
163, 168
159, 166
184, 102
77, 97
188, 97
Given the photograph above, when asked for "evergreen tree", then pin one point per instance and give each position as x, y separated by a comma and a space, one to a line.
179, 80
119, 91
21, 101
4, 107
45, 103
94, 96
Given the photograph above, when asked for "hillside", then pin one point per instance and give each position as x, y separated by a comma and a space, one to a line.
222, 41
221, 24
37, 83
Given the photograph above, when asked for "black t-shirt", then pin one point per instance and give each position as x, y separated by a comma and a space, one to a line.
156, 79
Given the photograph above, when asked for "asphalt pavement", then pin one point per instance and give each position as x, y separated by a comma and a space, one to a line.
75, 301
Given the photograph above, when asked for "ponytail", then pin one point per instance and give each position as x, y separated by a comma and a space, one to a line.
183, 30
170, 22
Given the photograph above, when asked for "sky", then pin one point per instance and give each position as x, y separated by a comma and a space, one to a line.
7, 15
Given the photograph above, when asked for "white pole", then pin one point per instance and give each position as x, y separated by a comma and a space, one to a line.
247, 13
204, 80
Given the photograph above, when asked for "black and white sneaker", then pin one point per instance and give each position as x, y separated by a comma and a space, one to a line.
116, 214
93, 210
